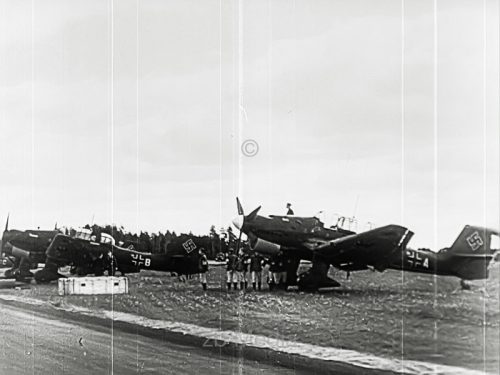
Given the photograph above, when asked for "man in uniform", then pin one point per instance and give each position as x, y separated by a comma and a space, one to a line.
246, 268
289, 209
277, 272
256, 270
232, 276
273, 275
203, 268
240, 269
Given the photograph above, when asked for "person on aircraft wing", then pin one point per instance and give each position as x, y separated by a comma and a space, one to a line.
232, 276
256, 270
203, 268
240, 269
289, 209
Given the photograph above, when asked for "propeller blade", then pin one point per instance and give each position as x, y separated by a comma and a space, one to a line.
7, 223
240, 207
252, 215
238, 244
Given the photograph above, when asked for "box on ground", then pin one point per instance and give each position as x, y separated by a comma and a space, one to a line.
93, 285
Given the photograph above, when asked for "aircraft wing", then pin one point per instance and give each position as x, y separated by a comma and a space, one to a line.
374, 248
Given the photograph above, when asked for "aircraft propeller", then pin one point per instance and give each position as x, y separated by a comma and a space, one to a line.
7, 223
241, 219
241, 213
240, 207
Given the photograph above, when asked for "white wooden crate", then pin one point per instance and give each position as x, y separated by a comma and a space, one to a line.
93, 285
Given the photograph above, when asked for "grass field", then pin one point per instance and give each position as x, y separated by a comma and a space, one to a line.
391, 314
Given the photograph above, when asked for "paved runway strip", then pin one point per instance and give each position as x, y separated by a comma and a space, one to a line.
220, 338
34, 344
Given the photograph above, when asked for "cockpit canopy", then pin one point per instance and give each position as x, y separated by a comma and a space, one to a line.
86, 234
83, 234
337, 221
107, 239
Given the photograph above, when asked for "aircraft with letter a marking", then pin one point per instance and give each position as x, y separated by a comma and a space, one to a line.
296, 238
90, 254
468, 258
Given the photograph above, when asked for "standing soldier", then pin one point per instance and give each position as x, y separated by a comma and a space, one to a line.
273, 276
203, 268
246, 270
240, 269
279, 270
256, 270
232, 277
289, 209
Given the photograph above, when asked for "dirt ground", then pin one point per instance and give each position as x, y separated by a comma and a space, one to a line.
390, 314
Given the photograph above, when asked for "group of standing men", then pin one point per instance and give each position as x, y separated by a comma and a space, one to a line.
240, 267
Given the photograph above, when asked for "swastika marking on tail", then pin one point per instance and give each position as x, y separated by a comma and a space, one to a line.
475, 241
189, 246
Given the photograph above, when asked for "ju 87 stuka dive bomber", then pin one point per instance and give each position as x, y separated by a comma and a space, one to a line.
26, 249
468, 258
295, 238
87, 253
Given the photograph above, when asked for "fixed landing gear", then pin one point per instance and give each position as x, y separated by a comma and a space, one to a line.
316, 277
47, 274
20, 271
464, 284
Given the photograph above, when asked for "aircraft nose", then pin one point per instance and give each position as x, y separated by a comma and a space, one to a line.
238, 221
7, 248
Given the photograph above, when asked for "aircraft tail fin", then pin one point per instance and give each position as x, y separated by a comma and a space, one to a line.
472, 241
472, 252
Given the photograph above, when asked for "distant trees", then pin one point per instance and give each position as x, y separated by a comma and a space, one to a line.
213, 243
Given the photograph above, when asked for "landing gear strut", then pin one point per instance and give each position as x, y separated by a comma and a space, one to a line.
47, 274
316, 277
464, 284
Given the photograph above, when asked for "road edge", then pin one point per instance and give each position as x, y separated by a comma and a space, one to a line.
234, 350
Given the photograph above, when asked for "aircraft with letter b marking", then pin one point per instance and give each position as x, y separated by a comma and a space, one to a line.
87, 253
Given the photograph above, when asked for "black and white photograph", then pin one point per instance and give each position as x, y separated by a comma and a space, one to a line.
250, 187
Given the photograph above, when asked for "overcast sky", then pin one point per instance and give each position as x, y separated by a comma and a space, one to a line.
134, 112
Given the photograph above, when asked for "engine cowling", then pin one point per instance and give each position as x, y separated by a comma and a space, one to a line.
264, 247
20, 253
15, 251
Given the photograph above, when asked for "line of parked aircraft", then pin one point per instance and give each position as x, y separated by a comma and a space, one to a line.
293, 238
88, 253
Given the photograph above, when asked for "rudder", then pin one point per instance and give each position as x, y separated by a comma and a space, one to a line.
472, 252
472, 241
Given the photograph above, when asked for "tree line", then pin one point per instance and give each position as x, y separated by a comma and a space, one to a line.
214, 242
